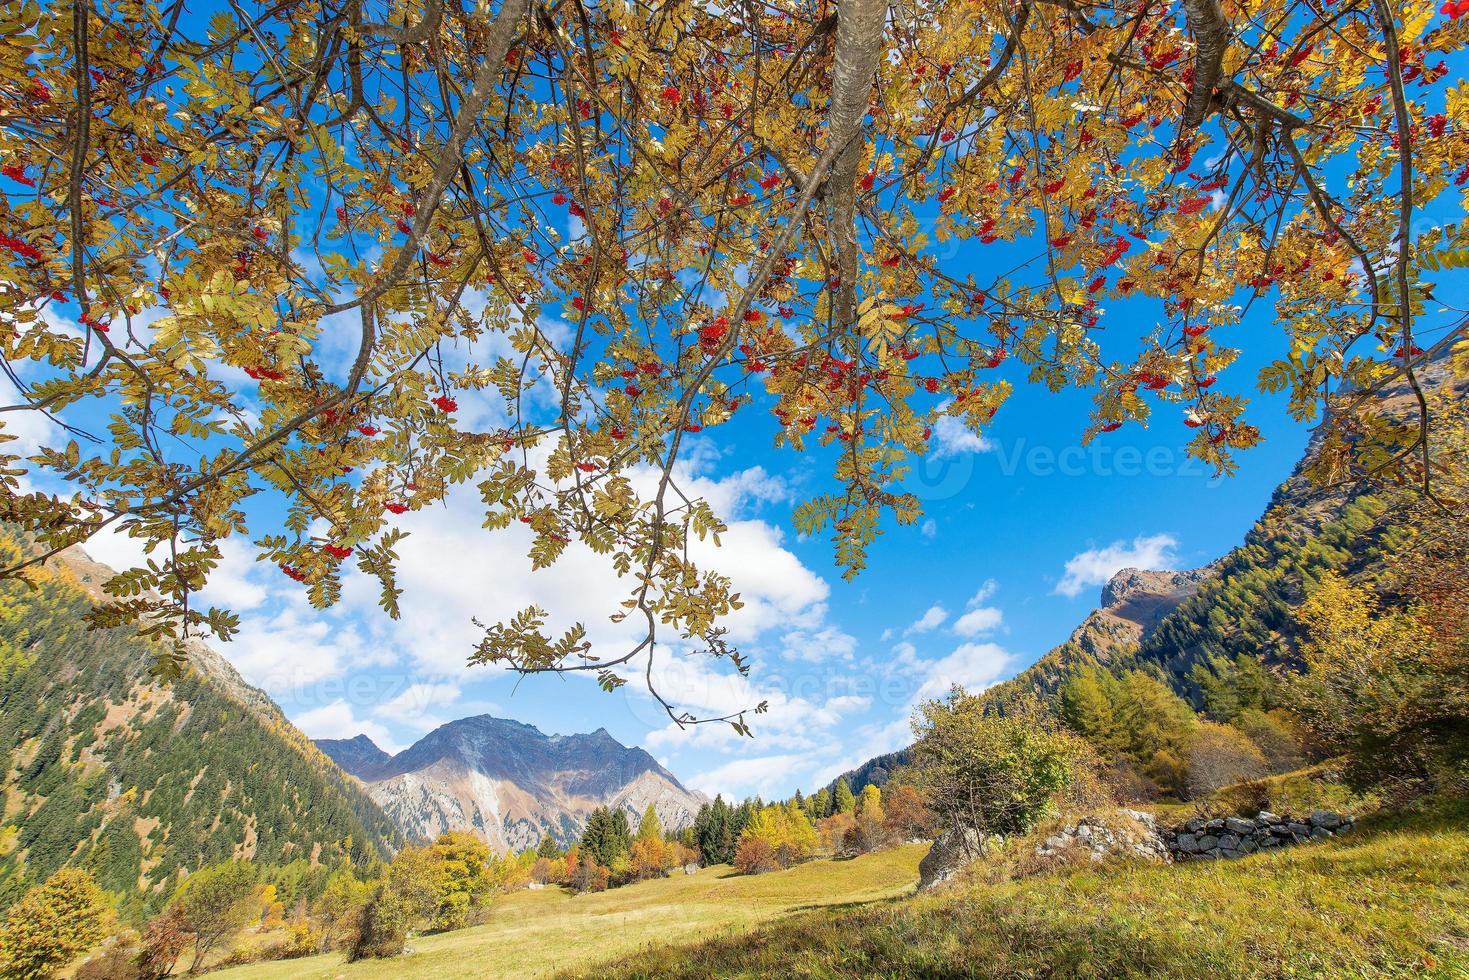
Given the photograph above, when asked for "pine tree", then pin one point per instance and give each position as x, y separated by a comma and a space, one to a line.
547, 848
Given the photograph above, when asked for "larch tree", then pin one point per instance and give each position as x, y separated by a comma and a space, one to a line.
349, 254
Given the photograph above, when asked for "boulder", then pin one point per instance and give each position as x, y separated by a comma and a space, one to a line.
1320, 833
950, 854
1327, 819
1208, 842
1229, 842
1237, 826
1299, 829
1187, 843
1266, 819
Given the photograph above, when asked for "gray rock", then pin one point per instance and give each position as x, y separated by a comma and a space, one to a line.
1320, 833
1229, 842
1271, 841
1299, 829
1188, 843
1329, 819
1248, 845
1228, 852
1194, 825
1208, 842
1216, 824
1237, 826
1266, 819
1280, 830
950, 854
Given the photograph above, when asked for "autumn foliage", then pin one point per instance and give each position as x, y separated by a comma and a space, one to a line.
348, 257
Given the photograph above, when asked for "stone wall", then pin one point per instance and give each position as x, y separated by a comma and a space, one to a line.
1202, 839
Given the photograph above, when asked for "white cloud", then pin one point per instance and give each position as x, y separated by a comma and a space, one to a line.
290, 650
980, 618
236, 582
415, 705
450, 576
930, 620
929, 528
765, 775
337, 720
829, 643
951, 437
1096, 565
985, 619
973, 666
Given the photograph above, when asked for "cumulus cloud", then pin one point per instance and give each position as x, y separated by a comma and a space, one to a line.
450, 577
973, 666
930, 620
980, 618
1095, 566
985, 619
764, 775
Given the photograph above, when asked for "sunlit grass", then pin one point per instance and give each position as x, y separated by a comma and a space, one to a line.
1393, 900
534, 933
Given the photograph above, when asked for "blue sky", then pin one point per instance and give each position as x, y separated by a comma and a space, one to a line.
1021, 529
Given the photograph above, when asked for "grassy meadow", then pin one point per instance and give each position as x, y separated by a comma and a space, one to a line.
1391, 900
542, 932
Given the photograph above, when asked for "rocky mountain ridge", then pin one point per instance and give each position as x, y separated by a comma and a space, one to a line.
511, 783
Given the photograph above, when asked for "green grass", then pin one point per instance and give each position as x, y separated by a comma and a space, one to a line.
536, 933
1390, 900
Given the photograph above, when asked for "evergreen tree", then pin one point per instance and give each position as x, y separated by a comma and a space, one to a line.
547, 848
649, 827
844, 801
821, 804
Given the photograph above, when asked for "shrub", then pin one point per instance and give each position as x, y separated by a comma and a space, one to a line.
163, 943
382, 929
785, 833
993, 774
1220, 755
1387, 688
754, 856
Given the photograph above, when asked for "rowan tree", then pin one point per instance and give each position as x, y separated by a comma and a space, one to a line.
347, 255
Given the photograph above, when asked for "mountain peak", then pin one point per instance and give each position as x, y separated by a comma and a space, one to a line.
510, 782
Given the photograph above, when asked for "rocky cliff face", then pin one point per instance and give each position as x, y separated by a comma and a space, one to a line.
1134, 602
510, 783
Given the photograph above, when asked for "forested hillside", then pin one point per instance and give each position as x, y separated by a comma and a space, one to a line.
107, 768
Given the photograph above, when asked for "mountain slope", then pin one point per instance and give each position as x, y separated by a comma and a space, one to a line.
510, 783
1135, 603
104, 766
1170, 623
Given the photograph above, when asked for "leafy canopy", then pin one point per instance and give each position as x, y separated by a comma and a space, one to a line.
351, 255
